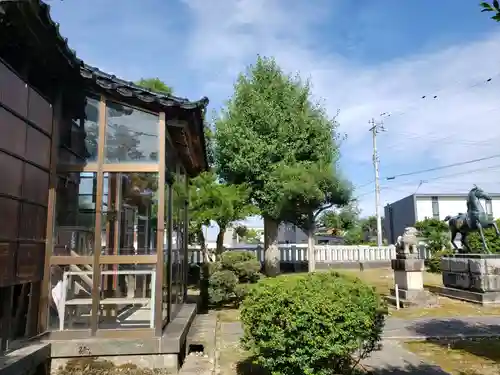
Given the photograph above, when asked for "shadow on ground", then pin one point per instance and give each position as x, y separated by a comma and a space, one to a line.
422, 369
247, 367
486, 347
450, 327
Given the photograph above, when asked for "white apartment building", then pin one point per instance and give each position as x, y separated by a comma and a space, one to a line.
416, 207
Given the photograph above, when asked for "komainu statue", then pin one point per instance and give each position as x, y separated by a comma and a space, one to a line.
407, 243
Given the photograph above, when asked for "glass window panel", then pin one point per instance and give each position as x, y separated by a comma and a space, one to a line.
179, 246
70, 296
130, 206
131, 135
167, 250
91, 127
75, 214
127, 300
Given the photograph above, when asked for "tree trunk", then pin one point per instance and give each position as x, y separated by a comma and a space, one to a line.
219, 247
271, 250
311, 253
203, 246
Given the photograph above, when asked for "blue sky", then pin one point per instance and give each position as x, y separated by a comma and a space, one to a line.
364, 58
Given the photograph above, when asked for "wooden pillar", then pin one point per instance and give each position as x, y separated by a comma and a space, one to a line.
44, 305
96, 284
160, 228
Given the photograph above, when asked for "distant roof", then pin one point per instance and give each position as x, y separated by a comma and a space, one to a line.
441, 195
453, 195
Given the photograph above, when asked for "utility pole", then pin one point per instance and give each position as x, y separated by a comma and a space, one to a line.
375, 128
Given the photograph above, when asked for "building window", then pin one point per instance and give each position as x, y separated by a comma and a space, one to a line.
489, 209
435, 208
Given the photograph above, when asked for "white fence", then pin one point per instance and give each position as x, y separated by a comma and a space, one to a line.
324, 253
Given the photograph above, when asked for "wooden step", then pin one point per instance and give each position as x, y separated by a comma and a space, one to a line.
109, 301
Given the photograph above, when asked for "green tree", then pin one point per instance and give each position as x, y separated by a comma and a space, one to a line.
354, 236
222, 203
248, 235
493, 7
154, 84
340, 220
309, 190
273, 138
435, 233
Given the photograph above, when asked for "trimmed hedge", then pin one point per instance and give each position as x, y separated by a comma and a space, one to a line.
311, 324
227, 281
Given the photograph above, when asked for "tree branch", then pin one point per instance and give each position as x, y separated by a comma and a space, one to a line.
320, 210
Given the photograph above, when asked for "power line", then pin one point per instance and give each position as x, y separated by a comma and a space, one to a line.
422, 182
497, 166
435, 96
442, 167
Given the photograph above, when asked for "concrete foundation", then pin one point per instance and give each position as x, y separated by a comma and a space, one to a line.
31, 359
408, 275
473, 272
471, 277
166, 352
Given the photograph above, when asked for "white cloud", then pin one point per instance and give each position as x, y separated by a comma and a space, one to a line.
460, 124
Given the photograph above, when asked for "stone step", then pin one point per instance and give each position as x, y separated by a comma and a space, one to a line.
403, 303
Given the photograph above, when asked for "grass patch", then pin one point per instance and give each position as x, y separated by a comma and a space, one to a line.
383, 280
93, 366
235, 361
228, 315
463, 357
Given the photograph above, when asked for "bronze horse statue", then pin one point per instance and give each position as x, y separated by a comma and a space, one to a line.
475, 219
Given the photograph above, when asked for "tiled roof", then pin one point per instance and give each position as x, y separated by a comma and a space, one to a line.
131, 90
102, 79
50, 24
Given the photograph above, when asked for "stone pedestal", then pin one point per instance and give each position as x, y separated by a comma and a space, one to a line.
408, 275
472, 277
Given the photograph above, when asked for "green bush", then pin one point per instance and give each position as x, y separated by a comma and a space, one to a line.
243, 263
207, 270
221, 286
490, 237
433, 264
241, 291
217, 284
436, 234
311, 324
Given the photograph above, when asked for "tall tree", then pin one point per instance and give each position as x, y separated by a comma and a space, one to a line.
310, 189
271, 137
218, 202
493, 7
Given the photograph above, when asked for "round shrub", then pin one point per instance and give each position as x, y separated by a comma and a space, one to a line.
235, 256
243, 263
221, 286
207, 270
311, 324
